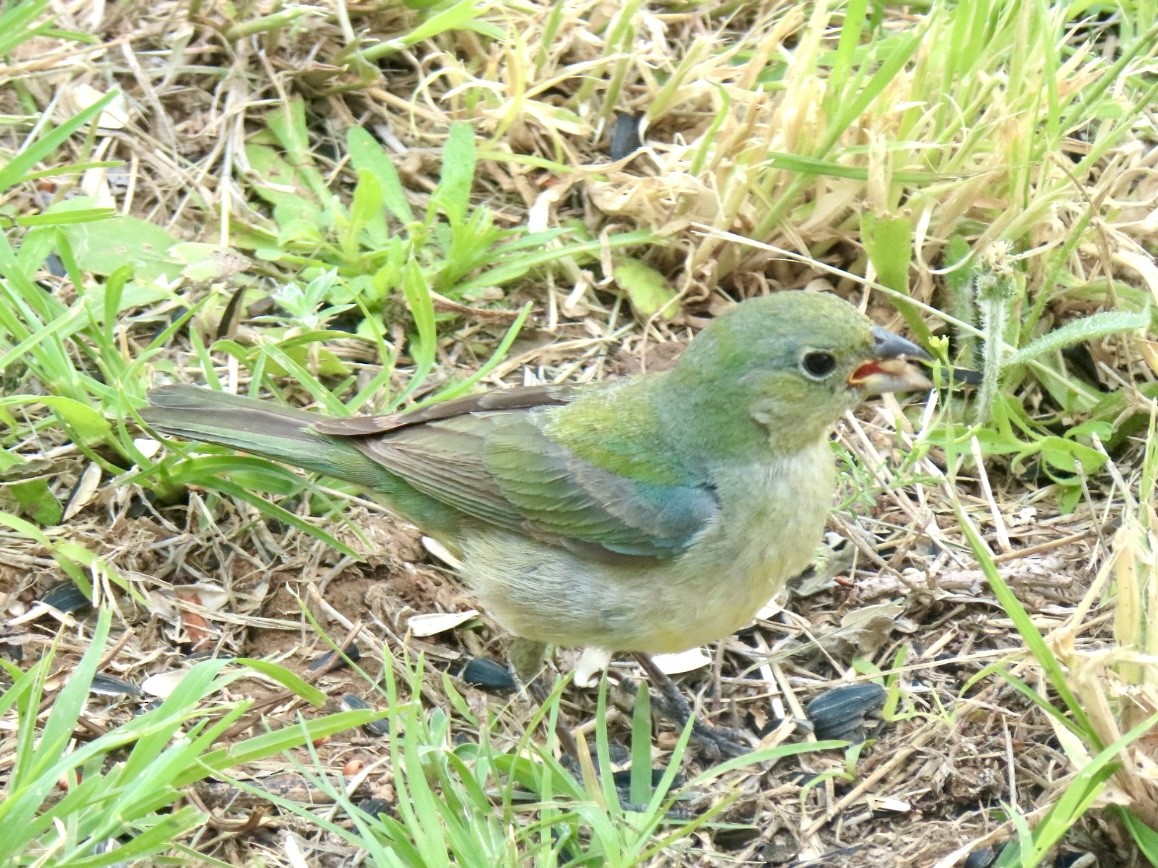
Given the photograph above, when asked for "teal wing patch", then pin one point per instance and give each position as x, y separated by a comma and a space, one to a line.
502, 469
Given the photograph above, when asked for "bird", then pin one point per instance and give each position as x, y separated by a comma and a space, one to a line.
643, 515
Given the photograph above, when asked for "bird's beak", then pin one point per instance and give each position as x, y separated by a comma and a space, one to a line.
888, 368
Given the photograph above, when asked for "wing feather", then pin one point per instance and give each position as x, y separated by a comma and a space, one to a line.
500, 468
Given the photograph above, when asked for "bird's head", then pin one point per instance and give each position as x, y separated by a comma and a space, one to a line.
790, 364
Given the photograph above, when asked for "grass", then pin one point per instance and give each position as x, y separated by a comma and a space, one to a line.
364, 209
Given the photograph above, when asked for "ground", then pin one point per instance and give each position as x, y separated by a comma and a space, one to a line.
976, 727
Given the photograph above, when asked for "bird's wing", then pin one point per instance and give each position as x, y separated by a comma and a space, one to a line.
585, 506
498, 466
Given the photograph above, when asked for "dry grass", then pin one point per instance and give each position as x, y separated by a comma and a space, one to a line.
758, 165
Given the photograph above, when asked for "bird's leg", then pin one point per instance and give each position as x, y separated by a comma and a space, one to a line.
722, 741
526, 656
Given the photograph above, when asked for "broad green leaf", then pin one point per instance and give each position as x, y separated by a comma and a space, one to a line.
36, 501
105, 245
367, 229
1144, 836
289, 127
85, 421
369, 156
646, 288
889, 244
452, 195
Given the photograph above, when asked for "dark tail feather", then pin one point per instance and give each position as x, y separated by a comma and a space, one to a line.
260, 427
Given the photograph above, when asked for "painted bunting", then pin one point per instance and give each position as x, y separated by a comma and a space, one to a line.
650, 514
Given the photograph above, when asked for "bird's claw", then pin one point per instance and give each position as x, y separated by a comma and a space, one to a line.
720, 742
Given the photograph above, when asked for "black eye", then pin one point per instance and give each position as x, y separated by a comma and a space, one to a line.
818, 364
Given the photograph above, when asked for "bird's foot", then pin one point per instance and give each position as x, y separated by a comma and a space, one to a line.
718, 742
527, 661
721, 742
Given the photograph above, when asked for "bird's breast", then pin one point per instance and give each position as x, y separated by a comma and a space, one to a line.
772, 516
769, 522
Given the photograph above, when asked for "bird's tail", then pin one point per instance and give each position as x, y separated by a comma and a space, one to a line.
260, 427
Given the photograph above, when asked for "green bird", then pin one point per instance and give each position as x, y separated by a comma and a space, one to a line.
649, 514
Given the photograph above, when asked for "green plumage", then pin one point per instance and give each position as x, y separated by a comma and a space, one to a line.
651, 514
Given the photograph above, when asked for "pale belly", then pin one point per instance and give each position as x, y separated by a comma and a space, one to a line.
767, 531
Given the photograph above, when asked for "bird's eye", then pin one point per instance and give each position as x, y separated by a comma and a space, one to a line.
818, 364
